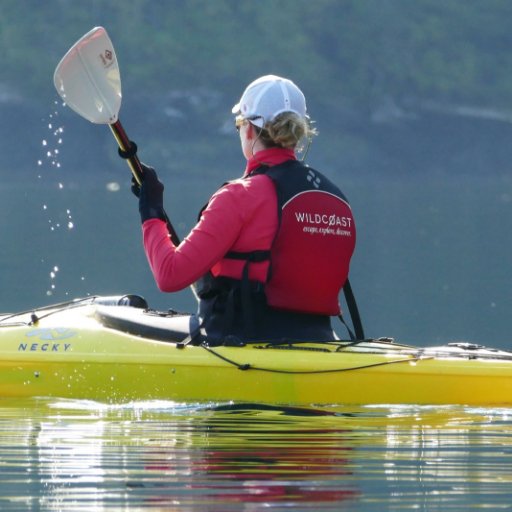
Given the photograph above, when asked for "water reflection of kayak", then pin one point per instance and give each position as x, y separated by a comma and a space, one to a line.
97, 349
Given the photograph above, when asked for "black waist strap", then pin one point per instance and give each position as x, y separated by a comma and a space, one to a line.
252, 256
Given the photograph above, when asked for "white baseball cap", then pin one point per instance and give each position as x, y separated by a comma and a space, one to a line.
267, 97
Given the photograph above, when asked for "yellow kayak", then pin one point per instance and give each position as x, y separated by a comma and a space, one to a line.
85, 349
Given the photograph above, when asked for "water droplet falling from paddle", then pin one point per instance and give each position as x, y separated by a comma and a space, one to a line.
49, 171
53, 275
71, 225
50, 159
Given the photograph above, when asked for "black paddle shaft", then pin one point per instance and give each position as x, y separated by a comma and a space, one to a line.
128, 150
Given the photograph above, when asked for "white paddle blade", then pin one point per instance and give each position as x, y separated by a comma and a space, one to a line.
88, 79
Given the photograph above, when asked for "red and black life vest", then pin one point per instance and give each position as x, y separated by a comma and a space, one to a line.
310, 255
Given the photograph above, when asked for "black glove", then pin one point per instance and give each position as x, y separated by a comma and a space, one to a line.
135, 187
150, 194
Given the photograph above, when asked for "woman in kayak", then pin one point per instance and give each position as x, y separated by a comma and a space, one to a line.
271, 250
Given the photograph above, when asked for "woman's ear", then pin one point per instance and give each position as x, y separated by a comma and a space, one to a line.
249, 131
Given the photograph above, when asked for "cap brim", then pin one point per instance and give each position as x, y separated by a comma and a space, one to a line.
236, 109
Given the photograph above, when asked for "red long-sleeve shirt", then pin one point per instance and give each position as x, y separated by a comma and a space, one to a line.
241, 217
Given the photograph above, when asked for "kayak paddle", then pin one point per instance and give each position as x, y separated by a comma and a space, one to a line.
88, 80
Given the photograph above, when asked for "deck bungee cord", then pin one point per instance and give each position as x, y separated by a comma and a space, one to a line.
52, 309
35, 316
248, 366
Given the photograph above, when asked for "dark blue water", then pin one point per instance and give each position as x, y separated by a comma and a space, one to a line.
432, 263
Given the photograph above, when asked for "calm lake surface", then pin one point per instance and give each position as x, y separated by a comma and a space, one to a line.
79, 455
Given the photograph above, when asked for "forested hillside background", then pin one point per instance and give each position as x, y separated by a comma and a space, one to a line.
412, 99
371, 69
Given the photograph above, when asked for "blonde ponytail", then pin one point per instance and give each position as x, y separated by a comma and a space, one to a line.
286, 130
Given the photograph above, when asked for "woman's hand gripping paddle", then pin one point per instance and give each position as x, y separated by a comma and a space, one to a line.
88, 80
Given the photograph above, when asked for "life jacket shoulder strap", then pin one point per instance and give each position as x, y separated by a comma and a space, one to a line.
292, 177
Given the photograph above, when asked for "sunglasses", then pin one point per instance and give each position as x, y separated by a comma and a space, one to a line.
239, 122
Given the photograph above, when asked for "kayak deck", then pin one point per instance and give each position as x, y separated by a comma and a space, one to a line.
74, 351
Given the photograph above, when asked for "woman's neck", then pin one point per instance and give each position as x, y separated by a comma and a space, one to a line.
270, 157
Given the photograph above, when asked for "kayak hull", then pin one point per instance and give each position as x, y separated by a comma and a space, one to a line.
71, 354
